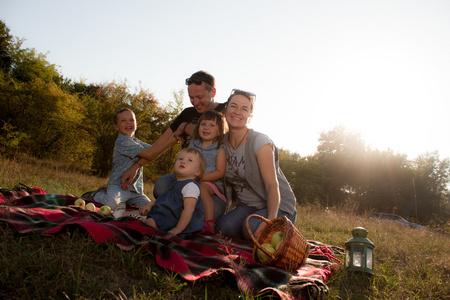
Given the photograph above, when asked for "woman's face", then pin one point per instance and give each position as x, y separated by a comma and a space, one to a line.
238, 112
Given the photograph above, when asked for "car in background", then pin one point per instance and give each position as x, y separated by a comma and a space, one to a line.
385, 217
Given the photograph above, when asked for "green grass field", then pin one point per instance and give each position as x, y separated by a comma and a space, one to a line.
409, 263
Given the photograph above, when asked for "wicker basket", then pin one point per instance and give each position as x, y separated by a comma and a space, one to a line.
293, 250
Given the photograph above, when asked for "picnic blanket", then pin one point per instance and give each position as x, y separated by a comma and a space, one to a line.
192, 256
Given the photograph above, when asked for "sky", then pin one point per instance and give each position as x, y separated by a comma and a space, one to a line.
380, 68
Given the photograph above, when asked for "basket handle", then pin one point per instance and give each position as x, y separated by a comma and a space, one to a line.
250, 233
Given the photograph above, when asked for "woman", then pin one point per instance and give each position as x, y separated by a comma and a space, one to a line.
253, 172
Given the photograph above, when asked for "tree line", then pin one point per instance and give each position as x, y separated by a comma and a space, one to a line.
46, 115
345, 172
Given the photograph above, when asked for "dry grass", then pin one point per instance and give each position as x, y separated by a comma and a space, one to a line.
409, 263
55, 177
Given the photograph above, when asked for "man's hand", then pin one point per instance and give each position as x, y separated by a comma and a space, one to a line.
179, 133
128, 176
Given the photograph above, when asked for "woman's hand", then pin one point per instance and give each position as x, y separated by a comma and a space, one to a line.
259, 229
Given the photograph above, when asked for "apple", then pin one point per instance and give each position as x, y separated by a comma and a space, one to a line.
276, 237
80, 202
263, 257
278, 245
90, 206
105, 209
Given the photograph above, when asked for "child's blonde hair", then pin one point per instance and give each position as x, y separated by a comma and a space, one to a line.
212, 115
202, 163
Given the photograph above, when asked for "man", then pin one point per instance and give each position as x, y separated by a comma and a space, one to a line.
201, 91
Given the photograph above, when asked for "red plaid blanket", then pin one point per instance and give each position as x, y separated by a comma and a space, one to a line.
192, 256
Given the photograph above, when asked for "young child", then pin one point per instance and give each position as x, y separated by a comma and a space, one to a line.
126, 151
208, 138
180, 208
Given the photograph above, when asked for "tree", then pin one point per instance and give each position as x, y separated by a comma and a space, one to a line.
6, 48
24, 65
382, 181
386, 180
340, 154
100, 103
305, 175
431, 177
340, 141
29, 65
41, 111
154, 124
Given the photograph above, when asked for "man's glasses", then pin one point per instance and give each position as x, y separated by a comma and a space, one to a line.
197, 81
242, 92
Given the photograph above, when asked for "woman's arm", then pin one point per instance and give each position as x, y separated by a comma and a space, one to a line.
266, 162
221, 165
186, 215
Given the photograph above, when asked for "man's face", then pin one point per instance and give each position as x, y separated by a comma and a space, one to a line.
200, 97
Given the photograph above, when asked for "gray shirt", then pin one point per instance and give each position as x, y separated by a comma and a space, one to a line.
236, 175
244, 175
125, 154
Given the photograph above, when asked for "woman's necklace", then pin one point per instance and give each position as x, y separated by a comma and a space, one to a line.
234, 148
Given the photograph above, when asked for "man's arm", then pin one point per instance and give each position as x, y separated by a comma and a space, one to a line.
165, 141
162, 144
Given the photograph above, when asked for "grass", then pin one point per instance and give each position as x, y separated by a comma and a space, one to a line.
409, 263
55, 177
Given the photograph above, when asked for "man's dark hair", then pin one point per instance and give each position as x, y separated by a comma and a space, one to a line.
206, 78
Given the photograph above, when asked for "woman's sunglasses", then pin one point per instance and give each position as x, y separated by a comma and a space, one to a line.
242, 92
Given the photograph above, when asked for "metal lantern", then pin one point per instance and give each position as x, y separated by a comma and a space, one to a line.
359, 252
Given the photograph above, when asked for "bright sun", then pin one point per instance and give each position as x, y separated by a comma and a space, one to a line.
383, 93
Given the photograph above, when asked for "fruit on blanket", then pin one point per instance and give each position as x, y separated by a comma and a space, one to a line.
105, 209
261, 255
276, 238
80, 202
90, 206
